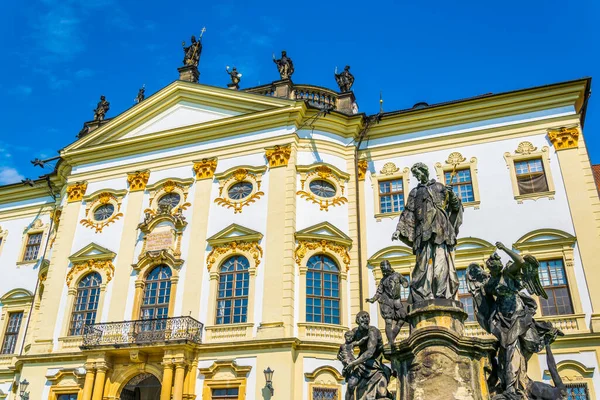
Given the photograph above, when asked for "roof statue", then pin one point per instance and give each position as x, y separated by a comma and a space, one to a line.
141, 94
344, 79
235, 77
191, 53
101, 109
285, 66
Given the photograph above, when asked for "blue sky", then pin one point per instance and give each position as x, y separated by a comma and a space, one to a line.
59, 56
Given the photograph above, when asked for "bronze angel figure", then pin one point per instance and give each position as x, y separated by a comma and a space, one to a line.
506, 311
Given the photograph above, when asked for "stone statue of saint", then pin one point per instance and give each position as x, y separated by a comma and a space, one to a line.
191, 53
346, 356
141, 94
344, 79
101, 109
389, 296
369, 375
429, 224
285, 66
234, 75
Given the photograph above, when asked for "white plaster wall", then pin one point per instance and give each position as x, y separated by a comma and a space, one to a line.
310, 364
325, 136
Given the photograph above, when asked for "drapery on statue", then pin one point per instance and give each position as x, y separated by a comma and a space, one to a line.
191, 53
367, 376
429, 224
389, 296
234, 75
285, 66
101, 109
344, 79
503, 309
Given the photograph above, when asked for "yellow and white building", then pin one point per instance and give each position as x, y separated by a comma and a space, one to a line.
207, 234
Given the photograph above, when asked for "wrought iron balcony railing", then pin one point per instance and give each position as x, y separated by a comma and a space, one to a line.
143, 331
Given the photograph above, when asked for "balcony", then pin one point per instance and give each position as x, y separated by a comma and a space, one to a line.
143, 332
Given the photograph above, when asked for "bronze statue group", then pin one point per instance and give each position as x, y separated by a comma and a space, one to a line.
502, 298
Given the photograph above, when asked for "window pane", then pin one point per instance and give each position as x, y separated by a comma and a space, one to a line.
86, 303
530, 176
157, 294
12, 333
554, 279
577, 391
322, 290
391, 196
464, 296
461, 184
33, 246
324, 393
232, 297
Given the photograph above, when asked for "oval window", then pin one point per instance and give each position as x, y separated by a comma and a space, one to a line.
171, 199
104, 212
239, 190
322, 188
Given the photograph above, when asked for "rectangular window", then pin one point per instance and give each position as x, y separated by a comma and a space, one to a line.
32, 247
12, 333
462, 184
578, 391
324, 393
554, 279
530, 176
225, 394
391, 196
463, 294
70, 396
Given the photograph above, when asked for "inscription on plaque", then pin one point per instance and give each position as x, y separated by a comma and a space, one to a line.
159, 241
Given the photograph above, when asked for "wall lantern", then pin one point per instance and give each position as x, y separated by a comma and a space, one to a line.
23, 385
269, 379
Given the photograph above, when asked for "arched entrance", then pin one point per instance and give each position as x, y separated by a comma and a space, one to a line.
141, 387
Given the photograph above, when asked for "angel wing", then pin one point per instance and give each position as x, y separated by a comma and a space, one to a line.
531, 277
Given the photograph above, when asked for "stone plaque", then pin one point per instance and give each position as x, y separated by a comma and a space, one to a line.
159, 241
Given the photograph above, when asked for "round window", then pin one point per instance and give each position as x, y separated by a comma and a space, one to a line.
170, 199
104, 212
240, 190
322, 188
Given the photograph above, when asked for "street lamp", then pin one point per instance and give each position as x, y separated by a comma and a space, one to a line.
269, 379
23, 389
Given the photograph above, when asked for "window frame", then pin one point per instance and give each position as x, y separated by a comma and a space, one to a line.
579, 384
566, 286
35, 228
530, 174
467, 295
74, 311
524, 152
8, 334
457, 161
169, 288
389, 172
322, 297
233, 298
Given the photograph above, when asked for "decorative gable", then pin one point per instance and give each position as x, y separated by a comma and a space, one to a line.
92, 251
324, 231
234, 232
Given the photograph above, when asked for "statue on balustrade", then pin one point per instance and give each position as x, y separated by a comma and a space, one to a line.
101, 109
285, 66
234, 75
191, 53
367, 376
506, 311
389, 296
429, 225
344, 79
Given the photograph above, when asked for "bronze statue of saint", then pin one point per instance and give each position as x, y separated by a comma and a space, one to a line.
101, 109
285, 66
429, 225
389, 296
234, 75
141, 94
344, 79
191, 53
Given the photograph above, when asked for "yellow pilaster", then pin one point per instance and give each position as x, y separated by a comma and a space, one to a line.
137, 299
167, 382
88, 385
179, 379
174, 283
355, 235
99, 383
128, 240
192, 374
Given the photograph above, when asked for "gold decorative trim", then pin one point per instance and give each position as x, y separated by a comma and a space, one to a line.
76, 191
205, 169
102, 199
324, 245
328, 173
363, 165
138, 180
165, 186
455, 158
91, 265
525, 148
389, 168
252, 175
278, 156
564, 138
233, 247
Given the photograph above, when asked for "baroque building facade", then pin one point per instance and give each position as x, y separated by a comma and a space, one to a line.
205, 235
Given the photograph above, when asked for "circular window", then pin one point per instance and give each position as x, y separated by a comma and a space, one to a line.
170, 199
322, 188
240, 190
104, 212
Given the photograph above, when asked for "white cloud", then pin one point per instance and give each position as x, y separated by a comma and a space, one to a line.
9, 175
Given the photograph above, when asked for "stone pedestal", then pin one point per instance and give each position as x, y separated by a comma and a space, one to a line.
189, 73
283, 88
437, 362
346, 103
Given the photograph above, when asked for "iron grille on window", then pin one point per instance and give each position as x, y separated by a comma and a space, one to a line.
232, 298
86, 303
322, 290
12, 332
553, 278
391, 196
157, 293
578, 391
462, 184
324, 393
225, 394
530, 176
33, 246
463, 294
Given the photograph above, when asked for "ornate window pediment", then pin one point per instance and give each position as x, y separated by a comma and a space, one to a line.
322, 184
520, 170
323, 238
541, 239
239, 187
225, 374
170, 191
471, 249
460, 173
235, 239
102, 208
92, 257
16, 296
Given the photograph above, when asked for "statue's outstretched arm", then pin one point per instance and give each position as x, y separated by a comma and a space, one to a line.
519, 261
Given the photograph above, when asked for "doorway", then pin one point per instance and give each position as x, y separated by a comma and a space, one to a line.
142, 387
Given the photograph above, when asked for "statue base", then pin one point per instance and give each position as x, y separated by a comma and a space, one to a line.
189, 73
233, 86
436, 361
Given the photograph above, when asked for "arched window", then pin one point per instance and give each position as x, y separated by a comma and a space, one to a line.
232, 297
86, 303
157, 293
322, 290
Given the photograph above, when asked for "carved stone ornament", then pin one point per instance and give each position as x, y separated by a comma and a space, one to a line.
138, 180
525, 148
324, 245
76, 191
162, 188
91, 265
564, 138
238, 176
103, 199
205, 169
363, 165
455, 158
325, 173
233, 247
278, 156
389, 169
